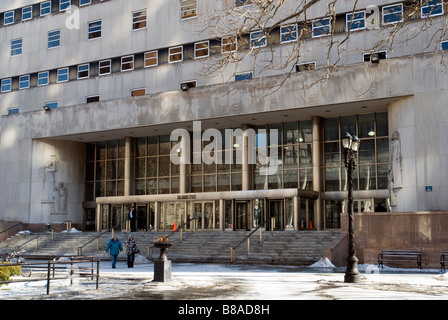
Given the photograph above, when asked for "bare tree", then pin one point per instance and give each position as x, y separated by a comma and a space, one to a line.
250, 32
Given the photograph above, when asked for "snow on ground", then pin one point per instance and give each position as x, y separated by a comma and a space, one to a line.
320, 281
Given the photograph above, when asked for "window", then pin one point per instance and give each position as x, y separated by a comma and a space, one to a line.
431, 8
151, 59
64, 5
62, 75
83, 71
243, 76
175, 54
321, 28
375, 56
27, 13
127, 63
139, 20
105, 67
185, 85
6, 85
356, 21
305, 66
257, 39
288, 33
138, 92
52, 105
229, 44
84, 2
393, 14
45, 8
54, 39
91, 99
444, 45
16, 47
188, 9
240, 3
9, 18
24, 82
42, 78
201, 49
14, 110
94, 29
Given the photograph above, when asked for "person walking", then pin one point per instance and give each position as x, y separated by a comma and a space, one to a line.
131, 250
114, 246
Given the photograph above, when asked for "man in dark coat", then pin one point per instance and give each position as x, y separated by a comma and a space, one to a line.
133, 218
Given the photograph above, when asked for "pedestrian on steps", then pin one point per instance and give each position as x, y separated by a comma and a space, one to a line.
114, 246
131, 250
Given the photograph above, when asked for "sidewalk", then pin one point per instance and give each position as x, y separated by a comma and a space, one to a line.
241, 282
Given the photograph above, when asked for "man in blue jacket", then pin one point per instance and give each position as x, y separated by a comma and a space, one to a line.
114, 246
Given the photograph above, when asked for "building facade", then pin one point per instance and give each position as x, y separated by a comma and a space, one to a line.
100, 98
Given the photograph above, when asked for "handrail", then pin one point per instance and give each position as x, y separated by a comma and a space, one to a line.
97, 238
180, 228
13, 226
233, 248
52, 235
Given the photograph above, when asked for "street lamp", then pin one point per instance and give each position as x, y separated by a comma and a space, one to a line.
351, 146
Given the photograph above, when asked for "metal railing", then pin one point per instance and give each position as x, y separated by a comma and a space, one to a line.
180, 228
68, 222
69, 272
97, 238
247, 239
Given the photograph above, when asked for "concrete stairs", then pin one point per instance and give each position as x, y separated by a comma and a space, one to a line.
278, 247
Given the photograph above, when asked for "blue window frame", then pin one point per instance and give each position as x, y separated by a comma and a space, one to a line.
42, 78
240, 3
393, 14
431, 8
288, 33
54, 39
45, 8
83, 71
15, 110
94, 30
62, 75
444, 45
16, 47
24, 82
52, 105
257, 39
356, 21
64, 5
27, 13
84, 2
6, 85
321, 27
8, 18
243, 76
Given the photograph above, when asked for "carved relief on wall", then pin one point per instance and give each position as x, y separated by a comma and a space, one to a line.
395, 171
54, 193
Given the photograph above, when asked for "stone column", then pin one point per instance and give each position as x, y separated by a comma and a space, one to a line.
129, 177
317, 176
246, 168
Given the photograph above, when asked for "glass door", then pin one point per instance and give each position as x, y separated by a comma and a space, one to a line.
241, 215
142, 218
276, 215
204, 212
116, 217
173, 216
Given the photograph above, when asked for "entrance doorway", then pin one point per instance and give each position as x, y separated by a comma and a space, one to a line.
173, 215
241, 215
142, 219
276, 216
203, 211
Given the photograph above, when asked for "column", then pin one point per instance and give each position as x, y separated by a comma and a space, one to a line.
317, 176
129, 178
246, 172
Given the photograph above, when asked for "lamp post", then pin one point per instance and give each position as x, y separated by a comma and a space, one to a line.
351, 146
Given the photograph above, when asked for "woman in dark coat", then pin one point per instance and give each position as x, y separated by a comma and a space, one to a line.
131, 250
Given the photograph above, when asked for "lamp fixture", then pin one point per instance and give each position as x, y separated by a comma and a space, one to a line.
46, 108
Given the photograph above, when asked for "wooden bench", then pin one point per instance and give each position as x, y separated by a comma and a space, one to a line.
400, 256
443, 259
